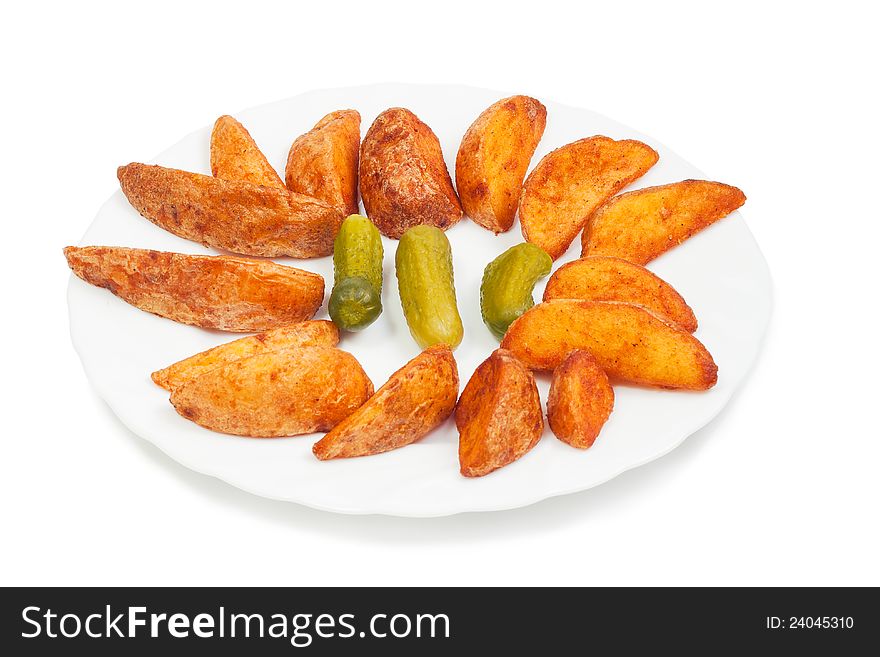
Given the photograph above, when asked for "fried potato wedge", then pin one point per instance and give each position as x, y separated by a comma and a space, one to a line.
236, 156
580, 400
600, 278
319, 333
229, 214
277, 393
640, 225
569, 183
216, 292
499, 415
415, 400
629, 343
323, 162
493, 158
403, 177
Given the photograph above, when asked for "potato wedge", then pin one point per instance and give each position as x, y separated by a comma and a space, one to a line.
236, 156
403, 177
629, 342
216, 292
499, 415
600, 278
580, 400
640, 225
493, 158
415, 400
231, 215
319, 333
278, 393
323, 162
569, 183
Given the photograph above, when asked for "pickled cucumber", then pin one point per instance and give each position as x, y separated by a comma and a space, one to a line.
356, 299
427, 288
508, 281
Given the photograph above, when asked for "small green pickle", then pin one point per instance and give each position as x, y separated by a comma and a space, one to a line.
427, 288
356, 299
508, 281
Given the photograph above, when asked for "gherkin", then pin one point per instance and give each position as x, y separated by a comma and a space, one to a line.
508, 281
356, 299
427, 288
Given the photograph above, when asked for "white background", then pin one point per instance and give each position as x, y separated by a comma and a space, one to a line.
777, 98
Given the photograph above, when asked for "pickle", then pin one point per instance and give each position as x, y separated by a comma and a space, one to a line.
508, 281
356, 299
427, 288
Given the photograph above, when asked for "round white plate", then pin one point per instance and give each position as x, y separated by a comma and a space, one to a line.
720, 272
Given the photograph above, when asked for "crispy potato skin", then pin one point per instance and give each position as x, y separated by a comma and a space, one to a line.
493, 158
231, 215
600, 278
216, 292
323, 163
569, 183
403, 177
580, 400
278, 393
499, 415
640, 225
319, 333
236, 156
629, 343
414, 401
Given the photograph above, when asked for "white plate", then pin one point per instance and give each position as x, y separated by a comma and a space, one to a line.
720, 272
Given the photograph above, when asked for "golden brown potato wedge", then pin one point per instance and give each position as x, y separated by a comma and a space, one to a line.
599, 278
415, 400
323, 162
235, 155
580, 400
629, 342
319, 333
217, 292
231, 215
277, 393
499, 415
403, 177
569, 183
640, 225
493, 158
